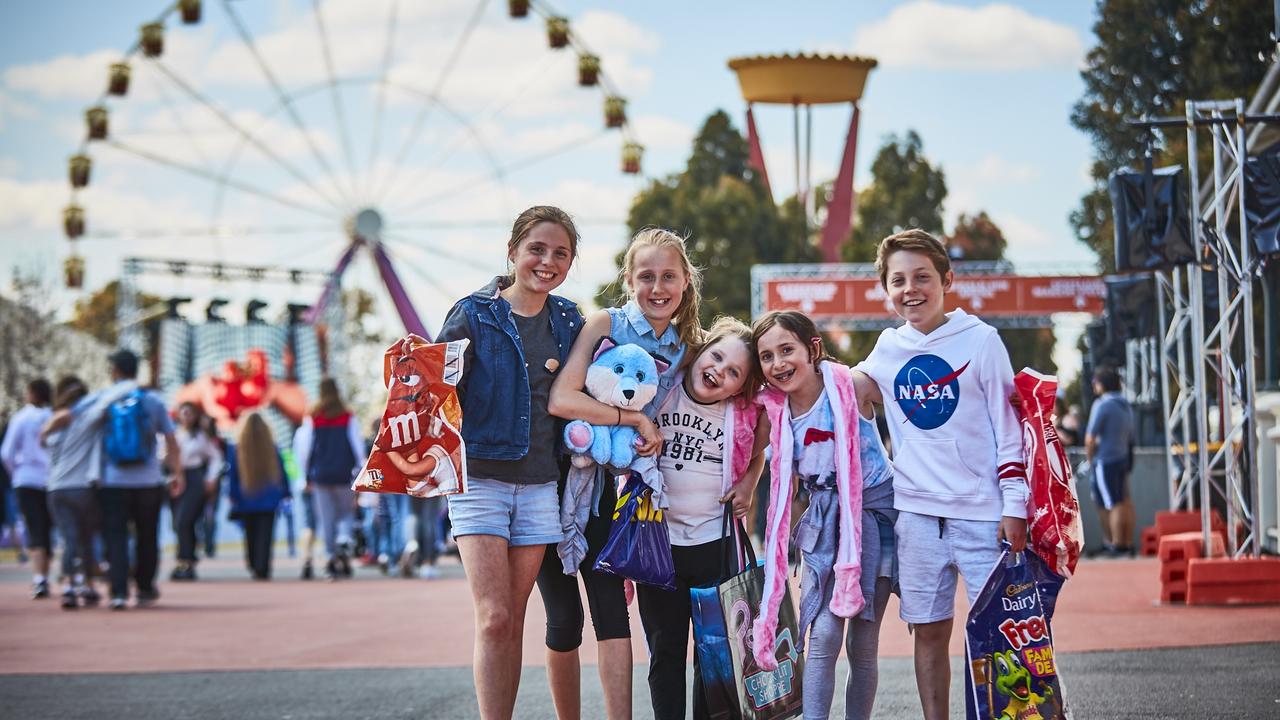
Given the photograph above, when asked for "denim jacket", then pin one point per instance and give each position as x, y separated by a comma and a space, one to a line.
495, 418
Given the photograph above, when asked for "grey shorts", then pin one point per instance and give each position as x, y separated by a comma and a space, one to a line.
932, 551
520, 514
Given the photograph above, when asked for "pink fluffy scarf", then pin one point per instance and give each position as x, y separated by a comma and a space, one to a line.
846, 599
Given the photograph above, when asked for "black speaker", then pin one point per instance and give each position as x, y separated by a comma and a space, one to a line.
1104, 347
1150, 212
1262, 202
1131, 306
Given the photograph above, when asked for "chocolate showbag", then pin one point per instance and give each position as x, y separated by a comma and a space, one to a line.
1053, 511
418, 450
1012, 672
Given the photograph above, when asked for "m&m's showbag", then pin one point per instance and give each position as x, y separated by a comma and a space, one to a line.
418, 450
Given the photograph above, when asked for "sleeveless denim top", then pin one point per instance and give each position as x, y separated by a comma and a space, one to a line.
629, 325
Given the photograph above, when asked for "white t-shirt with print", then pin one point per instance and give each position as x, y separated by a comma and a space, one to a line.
691, 462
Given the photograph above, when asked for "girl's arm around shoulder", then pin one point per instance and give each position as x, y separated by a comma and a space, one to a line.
867, 392
743, 492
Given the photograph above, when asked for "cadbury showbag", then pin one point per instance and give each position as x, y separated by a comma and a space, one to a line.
1012, 672
418, 450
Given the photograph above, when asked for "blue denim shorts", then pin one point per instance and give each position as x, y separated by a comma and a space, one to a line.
521, 514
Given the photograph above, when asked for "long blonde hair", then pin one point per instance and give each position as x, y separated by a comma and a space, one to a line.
688, 325
256, 457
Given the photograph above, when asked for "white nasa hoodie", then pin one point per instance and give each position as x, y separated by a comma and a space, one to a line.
957, 443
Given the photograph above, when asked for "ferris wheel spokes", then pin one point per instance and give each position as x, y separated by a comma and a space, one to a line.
375, 142
500, 172
338, 109
247, 38
419, 122
336, 204
211, 177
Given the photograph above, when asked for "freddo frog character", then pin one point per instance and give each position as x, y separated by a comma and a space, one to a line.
1013, 681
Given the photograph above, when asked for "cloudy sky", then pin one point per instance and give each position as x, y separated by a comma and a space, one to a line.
205, 162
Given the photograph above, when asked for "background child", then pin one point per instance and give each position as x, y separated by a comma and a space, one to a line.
710, 455
257, 484
661, 317
959, 480
815, 437
520, 337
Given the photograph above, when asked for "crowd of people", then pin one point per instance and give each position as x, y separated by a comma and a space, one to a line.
92, 472
733, 403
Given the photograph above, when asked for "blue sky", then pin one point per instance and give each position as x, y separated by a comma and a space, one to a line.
988, 87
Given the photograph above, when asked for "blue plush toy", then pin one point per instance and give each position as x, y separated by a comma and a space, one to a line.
626, 377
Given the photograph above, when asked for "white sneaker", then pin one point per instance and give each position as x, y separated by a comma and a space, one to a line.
429, 572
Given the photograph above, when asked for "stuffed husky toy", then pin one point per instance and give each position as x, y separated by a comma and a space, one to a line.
626, 377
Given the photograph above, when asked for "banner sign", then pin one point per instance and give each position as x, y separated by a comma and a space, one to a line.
849, 299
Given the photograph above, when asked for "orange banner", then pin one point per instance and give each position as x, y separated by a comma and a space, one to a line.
982, 295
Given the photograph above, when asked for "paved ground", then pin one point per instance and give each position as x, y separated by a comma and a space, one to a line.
377, 647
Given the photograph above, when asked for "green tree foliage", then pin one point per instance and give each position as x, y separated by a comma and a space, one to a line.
1151, 56
906, 191
976, 237
96, 314
720, 204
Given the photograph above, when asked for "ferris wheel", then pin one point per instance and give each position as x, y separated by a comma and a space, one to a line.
390, 131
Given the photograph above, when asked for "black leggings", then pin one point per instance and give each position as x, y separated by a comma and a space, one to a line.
259, 534
560, 594
667, 615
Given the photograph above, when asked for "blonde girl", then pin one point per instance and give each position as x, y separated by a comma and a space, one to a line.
661, 316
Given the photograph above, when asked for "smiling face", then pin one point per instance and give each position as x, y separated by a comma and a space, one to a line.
720, 371
542, 259
787, 361
916, 290
657, 283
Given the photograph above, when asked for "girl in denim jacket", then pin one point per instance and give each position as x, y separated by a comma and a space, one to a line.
520, 336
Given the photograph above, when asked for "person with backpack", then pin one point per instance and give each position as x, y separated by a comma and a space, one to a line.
329, 448
132, 484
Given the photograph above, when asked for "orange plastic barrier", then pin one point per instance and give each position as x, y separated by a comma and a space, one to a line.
1175, 551
1228, 581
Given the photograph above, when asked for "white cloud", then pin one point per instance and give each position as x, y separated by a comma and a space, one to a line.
993, 169
935, 35
658, 132
68, 77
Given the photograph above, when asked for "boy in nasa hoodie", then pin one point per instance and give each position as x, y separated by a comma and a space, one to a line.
959, 479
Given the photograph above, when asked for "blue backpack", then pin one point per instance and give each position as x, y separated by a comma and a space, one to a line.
130, 439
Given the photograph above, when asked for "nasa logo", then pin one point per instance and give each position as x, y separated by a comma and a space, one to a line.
928, 390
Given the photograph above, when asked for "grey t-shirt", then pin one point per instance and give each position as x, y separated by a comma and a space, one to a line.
539, 464
1111, 421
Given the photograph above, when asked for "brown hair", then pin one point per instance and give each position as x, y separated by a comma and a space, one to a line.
727, 326
330, 404
913, 240
256, 457
688, 325
527, 220
797, 324
68, 391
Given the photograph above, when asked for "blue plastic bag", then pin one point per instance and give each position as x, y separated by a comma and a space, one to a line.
1012, 671
638, 547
